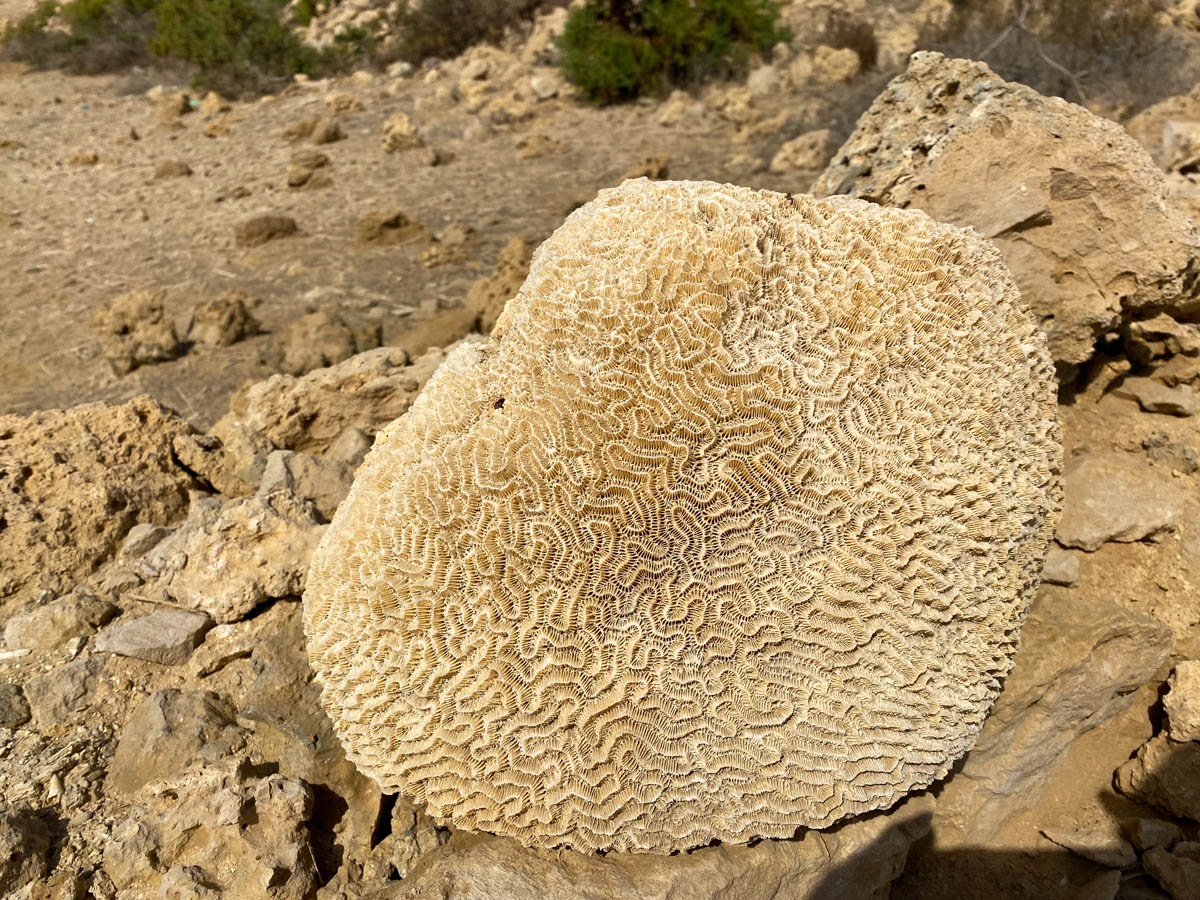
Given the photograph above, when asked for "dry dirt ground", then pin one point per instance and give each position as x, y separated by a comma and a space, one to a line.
83, 218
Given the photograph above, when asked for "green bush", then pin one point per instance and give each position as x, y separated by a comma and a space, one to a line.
236, 46
617, 49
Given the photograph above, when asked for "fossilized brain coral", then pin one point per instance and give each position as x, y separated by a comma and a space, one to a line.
728, 529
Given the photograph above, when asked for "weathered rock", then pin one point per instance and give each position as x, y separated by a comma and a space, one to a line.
166, 636
222, 321
1155, 397
171, 168
59, 696
1182, 702
14, 708
327, 131
73, 482
1075, 205
1110, 496
1158, 127
225, 643
323, 481
24, 850
1151, 339
1102, 848
807, 153
167, 732
1179, 874
1147, 833
349, 448
228, 557
216, 830
308, 414
214, 104
49, 625
134, 332
258, 230
653, 167
856, 859
306, 158
487, 296
451, 245
399, 133
1061, 567
342, 102
536, 144
1166, 775
319, 339
382, 229
1080, 661
1173, 454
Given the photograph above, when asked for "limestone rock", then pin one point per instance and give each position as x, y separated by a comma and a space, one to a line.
134, 332
222, 321
1175, 455
450, 246
24, 850
228, 557
216, 830
1149, 340
1147, 833
1110, 496
654, 167
399, 133
1075, 205
74, 482
1166, 775
1178, 873
308, 414
381, 229
1102, 848
1157, 127
1080, 661
14, 708
1182, 702
327, 131
323, 481
342, 102
258, 230
167, 732
236, 640
1155, 397
1061, 567
171, 168
1103, 887
58, 697
49, 625
166, 636
319, 339
487, 296
807, 153
856, 859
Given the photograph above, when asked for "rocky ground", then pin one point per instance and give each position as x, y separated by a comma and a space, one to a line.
210, 308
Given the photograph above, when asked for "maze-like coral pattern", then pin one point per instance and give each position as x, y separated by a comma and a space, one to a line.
728, 529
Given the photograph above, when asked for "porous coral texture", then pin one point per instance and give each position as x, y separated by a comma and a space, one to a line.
730, 528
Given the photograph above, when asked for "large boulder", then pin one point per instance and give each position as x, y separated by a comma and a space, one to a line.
73, 482
1076, 206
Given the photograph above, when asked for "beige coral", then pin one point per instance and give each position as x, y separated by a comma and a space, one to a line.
728, 529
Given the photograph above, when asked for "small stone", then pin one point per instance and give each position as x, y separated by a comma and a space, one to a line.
1110, 850
807, 153
214, 104
653, 167
1164, 774
1182, 702
1061, 567
544, 87
309, 159
166, 636
49, 625
171, 168
343, 102
14, 708
319, 339
477, 130
399, 133
222, 321
1155, 397
55, 697
258, 230
1178, 874
134, 331
379, 229
85, 158
763, 81
1147, 833
142, 538
327, 131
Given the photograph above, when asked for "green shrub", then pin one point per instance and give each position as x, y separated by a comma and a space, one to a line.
616, 49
